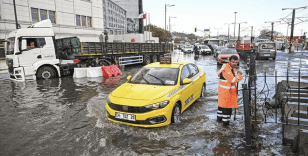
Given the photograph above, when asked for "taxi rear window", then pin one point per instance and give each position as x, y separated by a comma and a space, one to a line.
156, 76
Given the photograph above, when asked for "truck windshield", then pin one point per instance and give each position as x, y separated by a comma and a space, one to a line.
268, 46
156, 76
10, 46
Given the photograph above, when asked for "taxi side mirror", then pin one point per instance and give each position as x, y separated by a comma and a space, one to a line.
128, 77
187, 81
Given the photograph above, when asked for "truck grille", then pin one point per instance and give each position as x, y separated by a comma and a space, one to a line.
128, 109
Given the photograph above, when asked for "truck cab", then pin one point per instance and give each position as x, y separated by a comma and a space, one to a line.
31, 52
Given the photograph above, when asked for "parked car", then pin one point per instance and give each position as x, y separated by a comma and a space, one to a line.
188, 49
225, 54
217, 51
265, 50
204, 50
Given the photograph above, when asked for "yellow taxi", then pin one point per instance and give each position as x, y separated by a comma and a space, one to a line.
156, 95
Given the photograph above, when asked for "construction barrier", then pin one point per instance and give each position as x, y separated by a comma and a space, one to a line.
87, 72
110, 82
110, 71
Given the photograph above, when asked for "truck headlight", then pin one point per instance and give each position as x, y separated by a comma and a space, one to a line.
157, 105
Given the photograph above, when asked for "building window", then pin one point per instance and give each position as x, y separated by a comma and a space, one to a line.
78, 20
34, 13
52, 16
83, 20
89, 21
43, 14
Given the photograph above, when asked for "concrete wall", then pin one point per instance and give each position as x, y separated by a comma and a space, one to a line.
65, 10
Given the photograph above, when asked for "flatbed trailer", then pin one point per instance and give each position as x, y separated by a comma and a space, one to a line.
50, 57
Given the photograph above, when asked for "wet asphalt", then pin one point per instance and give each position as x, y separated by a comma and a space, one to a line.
67, 116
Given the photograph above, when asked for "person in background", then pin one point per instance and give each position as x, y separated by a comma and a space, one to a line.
31, 45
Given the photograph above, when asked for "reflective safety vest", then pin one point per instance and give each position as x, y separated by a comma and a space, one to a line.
227, 96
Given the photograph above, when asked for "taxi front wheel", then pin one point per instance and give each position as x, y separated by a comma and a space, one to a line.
203, 90
175, 118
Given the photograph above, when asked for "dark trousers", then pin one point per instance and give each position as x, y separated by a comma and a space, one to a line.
224, 115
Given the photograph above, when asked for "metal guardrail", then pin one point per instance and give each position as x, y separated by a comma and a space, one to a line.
258, 106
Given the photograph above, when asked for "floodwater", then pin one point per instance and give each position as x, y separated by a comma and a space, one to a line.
67, 116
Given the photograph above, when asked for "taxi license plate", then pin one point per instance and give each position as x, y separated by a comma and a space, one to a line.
267, 55
125, 116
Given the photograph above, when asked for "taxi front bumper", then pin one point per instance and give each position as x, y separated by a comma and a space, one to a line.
162, 117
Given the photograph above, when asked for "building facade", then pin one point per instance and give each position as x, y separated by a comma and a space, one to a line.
133, 8
114, 18
81, 18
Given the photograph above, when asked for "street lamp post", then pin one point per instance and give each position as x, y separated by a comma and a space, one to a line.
16, 21
166, 5
234, 23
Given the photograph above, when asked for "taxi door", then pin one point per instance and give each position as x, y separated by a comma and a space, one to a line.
196, 77
187, 93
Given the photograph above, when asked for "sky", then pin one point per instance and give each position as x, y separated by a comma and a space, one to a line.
213, 14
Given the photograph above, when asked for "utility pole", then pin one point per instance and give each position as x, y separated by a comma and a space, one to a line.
251, 34
292, 25
234, 24
239, 28
272, 22
228, 31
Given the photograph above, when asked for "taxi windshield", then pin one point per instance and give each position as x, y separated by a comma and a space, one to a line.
156, 76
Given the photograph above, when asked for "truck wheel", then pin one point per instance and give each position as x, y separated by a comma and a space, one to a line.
176, 113
154, 58
158, 58
146, 60
104, 63
45, 73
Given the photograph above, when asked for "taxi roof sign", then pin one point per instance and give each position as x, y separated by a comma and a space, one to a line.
165, 60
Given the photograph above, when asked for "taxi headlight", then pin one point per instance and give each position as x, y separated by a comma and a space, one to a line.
157, 105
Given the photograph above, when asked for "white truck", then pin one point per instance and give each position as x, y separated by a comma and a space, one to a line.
34, 53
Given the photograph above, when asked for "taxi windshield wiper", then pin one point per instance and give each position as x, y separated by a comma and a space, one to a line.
157, 79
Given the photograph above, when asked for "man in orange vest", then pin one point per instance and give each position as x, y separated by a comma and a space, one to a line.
227, 93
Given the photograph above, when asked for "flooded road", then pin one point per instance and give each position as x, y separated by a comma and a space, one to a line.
67, 116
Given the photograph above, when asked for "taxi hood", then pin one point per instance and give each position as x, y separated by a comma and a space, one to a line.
141, 91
